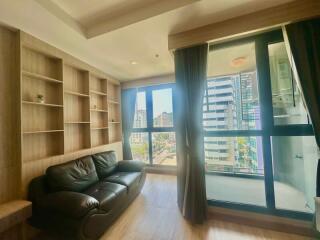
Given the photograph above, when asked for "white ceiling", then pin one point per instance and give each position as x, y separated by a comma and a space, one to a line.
112, 52
220, 61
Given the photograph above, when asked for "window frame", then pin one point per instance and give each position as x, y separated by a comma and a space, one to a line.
149, 109
268, 128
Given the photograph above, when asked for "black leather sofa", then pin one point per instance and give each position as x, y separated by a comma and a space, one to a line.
81, 198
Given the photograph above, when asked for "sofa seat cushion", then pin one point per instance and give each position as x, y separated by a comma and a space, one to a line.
128, 179
109, 195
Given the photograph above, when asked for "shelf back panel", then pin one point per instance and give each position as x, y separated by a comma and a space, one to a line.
41, 118
114, 132
75, 80
113, 91
77, 137
98, 102
99, 137
43, 145
32, 87
98, 84
114, 113
38, 63
99, 119
76, 109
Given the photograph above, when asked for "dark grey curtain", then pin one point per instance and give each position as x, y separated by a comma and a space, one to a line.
304, 41
128, 103
191, 72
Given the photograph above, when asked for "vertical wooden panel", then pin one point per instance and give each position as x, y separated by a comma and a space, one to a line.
9, 116
10, 165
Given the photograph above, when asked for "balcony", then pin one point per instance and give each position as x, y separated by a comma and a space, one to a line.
241, 189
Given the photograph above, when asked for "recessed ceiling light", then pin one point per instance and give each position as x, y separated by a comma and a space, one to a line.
134, 62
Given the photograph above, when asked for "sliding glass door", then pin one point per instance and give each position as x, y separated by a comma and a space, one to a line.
232, 121
294, 154
260, 151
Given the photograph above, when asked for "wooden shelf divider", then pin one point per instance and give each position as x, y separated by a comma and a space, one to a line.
99, 128
99, 110
43, 131
41, 77
76, 94
112, 101
77, 123
42, 104
98, 93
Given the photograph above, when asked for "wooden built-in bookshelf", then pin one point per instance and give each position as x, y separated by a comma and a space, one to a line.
38, 83
79, 108
114, 112
41, 120
99, 110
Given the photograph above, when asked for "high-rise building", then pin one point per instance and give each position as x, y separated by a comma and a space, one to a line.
164, 119
140, 120
231, 103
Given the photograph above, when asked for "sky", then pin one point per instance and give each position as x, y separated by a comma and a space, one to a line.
162, 101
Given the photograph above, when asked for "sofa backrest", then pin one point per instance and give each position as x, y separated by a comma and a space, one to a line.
106, 163
76, 175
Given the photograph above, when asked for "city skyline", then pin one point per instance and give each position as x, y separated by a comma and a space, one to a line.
232, 103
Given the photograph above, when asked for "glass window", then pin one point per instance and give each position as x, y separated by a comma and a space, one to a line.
140, 116
154, 110
164, 148
162, 108
227, 160
294, 172
232, 99
234, 155
140, 146
288, 107
234, 165
239, 99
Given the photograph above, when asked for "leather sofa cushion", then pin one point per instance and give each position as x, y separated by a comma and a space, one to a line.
70, 204
109, 195
106, 163
75, 176
128, 179
130, 166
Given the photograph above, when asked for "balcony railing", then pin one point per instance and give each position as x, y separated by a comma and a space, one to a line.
233, 170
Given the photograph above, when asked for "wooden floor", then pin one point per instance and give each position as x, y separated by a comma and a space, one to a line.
154, 216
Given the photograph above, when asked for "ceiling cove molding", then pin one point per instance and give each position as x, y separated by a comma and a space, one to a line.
258, 21
149, 81
108, 24
136, 15
55, 10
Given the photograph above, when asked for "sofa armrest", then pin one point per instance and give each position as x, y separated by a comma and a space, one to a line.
71, 204
130, 166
